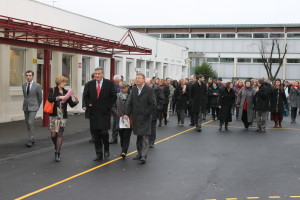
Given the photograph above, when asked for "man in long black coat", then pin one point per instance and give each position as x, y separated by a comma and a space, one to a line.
190, 104
198, 95
261, 105
100, 95
142, 103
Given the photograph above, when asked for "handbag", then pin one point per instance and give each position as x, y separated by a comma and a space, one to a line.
48, 107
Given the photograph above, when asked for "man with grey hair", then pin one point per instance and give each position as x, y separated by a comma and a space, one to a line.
141, 104
114, 139
160, 99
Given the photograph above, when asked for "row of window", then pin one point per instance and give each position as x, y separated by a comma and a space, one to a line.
223, 35
17, 67
248, 60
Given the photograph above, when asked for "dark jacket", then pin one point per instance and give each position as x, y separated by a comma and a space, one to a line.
160, 100
142, 107
226, 100
181, 99
198, 95
277, 100
52, 98
213, 99
100, 111
84, 104
166, 92
261, 99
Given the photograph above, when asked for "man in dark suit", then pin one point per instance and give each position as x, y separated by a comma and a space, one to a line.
100, 95
86, 109
199, 95
141, 104
190, 103
32, 92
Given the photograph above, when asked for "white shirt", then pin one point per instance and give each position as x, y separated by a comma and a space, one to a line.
140, 89
101, 81
30, 85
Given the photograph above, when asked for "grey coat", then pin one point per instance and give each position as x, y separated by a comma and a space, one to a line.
242, 95
294, 97
142, 107
33, 101
119, 107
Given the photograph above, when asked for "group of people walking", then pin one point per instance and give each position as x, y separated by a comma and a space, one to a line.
138, 106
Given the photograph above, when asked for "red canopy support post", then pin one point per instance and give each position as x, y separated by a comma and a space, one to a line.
46, 83
112, 68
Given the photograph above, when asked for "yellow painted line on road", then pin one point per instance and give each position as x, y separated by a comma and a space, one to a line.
97, 167
231, 198
274, 197
294, 197
252, 197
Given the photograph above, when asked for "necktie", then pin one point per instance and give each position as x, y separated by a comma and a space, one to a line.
98, 89
28, 88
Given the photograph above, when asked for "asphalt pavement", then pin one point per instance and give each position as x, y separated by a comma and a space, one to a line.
183, 165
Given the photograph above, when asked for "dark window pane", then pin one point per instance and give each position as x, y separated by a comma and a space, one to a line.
259, 60
212, 59
293, 35
228, 60
167, 35
182, 35
260, 35
198, 35
244, 60
245, 35
212, 35
276, 35
292, 60
228, 35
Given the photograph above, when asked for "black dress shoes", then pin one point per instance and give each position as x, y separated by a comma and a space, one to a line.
143, 160
192, 124
151, 146
138, 157
30, 143
98, 158
123, 155
113, 142
106, 155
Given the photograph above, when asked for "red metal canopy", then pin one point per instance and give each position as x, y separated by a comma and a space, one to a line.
34, 34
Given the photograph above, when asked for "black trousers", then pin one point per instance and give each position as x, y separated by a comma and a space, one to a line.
245, 118
215, 112
152, 137
101, 141
294, 113
125, 135
92, 131
191, 113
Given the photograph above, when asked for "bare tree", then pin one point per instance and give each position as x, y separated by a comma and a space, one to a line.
267, 52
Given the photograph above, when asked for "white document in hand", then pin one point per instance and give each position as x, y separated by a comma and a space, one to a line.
124, 123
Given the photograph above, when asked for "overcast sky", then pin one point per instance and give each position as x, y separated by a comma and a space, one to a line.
173, 12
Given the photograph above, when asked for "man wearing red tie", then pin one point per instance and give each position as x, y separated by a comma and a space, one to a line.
100, 96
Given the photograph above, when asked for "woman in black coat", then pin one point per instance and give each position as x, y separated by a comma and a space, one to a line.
226, 100
181, 98
277, 102
59, 116
213, 94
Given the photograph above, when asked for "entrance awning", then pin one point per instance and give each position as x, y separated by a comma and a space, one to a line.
34, 35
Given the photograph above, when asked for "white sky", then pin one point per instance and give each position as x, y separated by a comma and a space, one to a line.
174, 12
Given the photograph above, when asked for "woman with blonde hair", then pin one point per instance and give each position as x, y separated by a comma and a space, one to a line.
59, 116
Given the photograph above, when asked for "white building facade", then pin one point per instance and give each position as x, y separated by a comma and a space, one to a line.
233, 50
167, 59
